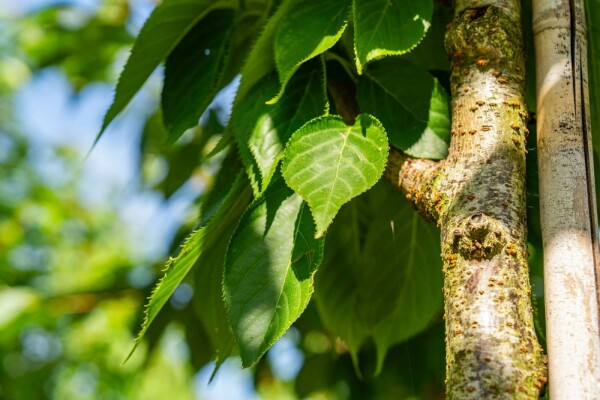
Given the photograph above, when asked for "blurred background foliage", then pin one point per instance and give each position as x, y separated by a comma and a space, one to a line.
75, 265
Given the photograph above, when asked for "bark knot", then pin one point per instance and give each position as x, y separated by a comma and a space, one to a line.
484, 33
478, 237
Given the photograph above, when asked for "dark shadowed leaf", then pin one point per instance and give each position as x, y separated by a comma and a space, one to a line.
381, 278
388, 27
593, 22
163, 30
411, 105
193, 71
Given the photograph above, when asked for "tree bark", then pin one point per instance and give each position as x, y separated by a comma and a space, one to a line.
477, 197
567, 203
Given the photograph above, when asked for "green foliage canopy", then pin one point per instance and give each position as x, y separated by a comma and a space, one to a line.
282, 113
292, 167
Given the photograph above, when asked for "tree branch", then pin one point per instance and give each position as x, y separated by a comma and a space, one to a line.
416, 178
477, 198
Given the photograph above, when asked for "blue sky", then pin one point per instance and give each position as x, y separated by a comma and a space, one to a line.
53, 115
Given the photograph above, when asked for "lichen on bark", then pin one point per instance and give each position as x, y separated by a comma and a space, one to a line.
477, 197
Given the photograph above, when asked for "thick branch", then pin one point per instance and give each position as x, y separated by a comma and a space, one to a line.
477, 196
416, 178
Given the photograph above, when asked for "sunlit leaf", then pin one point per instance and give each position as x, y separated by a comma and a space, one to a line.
430, 54
268, 270
262, 130
258, 71
208, 274
328, 163
261, 60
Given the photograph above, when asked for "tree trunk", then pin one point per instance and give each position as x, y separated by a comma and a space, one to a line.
477, 197
567, 202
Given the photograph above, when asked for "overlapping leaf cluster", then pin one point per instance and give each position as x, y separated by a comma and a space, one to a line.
294, 165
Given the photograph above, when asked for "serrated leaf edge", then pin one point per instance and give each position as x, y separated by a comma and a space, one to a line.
378, 53
319, 233
106, 121
165, 271
246, 363
216, 84
313, 54
265, 180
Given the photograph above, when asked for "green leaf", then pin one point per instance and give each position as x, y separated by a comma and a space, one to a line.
263, 130
415, 276
201, 243
211, 200
309, 29
261, 59
328, 163
431, 54
388, 27
193, 71
269, 270
336, 283
249, 24
209, 303
593, 23
182, 158
258, 67
411, 105
163, 30
249, 115
381, 278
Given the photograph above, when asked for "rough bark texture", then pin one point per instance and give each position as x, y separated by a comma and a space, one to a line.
567, 202
477, 197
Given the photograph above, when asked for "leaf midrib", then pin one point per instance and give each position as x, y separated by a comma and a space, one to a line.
381, 16
337, 168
